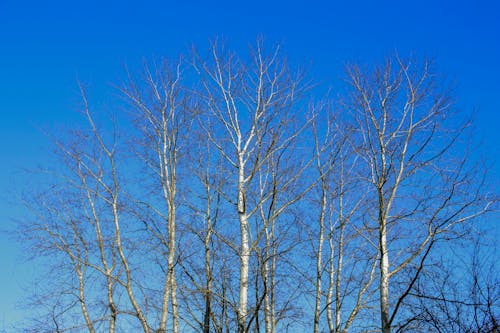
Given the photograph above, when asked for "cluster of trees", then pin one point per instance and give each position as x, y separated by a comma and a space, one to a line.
225, 197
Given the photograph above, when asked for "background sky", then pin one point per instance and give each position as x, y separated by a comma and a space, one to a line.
46, 46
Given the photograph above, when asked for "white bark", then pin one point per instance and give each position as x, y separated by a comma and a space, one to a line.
245, 248
384, 278
319, 257
400, 116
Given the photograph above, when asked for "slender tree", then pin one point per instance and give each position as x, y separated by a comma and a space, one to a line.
422, 181
252, 104
162, 113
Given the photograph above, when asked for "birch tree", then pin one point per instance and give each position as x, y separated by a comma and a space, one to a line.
162, 114
252, 103
85, 221
425, 185
345, 261
223, 197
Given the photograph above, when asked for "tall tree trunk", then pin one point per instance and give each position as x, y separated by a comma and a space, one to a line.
265, 274
245, 249
340, 254
384, 268
319, 261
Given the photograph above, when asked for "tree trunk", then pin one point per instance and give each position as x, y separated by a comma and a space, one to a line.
384, 276
319, 262
245, 250
208, 285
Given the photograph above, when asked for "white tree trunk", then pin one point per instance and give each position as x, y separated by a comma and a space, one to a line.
245, 249
319, 262
384, 278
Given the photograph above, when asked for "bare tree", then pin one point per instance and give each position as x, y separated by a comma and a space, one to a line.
424, 187
84, 221
347, 265
96, 176
204, 269
226, 198
163, 115
252, 104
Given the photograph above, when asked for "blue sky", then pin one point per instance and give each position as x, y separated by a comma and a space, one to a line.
45, 46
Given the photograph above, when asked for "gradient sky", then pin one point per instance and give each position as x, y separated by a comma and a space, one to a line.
45, 46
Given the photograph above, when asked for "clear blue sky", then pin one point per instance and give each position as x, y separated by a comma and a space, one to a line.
45, 46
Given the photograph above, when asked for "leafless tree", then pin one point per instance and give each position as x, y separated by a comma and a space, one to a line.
223, 197
163, 115
254, 104
81, 218
424, 184
96, 176
347, 265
